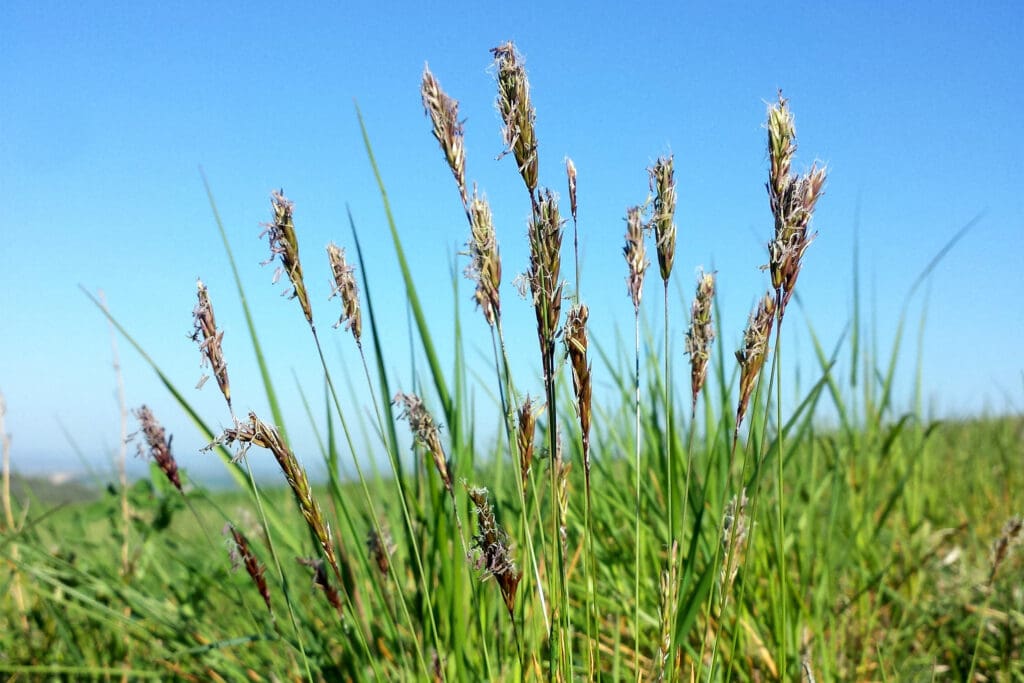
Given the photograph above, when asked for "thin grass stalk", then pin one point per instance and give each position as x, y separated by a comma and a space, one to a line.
16, 590
122, 451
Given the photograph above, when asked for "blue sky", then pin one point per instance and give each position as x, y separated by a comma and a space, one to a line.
109, 110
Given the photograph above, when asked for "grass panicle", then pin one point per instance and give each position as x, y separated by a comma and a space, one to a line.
485, 262
755, 349
575, 337
545, 236
636, 255
517, 112
381, 547
346, 288
700, 334
526, 428
425, 433
322, 582
448, 129
158, 445
242, 554
663, 220
491, 545
284, 245
209, 338
1012, 535
735, 529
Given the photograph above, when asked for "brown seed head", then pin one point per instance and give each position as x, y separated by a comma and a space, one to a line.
381, 547
701, 333
485, 262
493, 556
517, 112
285, 244
322, 581
425, 433
527, 427
663, 185
575, 337
636, 255
158, 445
345, 287
444, 115
755, 349
255, 432
792, 199
1013, 532
241, 553
570, 172
209, 338
545, 235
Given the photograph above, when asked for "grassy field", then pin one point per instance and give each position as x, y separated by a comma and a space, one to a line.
679, 527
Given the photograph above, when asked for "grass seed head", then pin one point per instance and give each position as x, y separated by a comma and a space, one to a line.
158, 445
545, 236
1013, 532
284, 244
792, 199
636, 255
494, 557
570, 172
425, 433
485, 262
209, 338
381, 547
755, 348
241, 553
517, 112
444, 115
701, 333
525, 432
734, 538
663, 185
575, 337
322, 581
345, 287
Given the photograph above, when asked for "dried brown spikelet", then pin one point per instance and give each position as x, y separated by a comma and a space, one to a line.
381, 547
545, 236
255, 432
636, 255
425, 432
241, 552
527, 426
517, 112
209, 338
485, 262
159, 445
284, 243
734, 537
1011, 536
323, 582
444, 115
663, 185
792, 199
701, 333
494, 557
570, 172
755, 348
345, 286
575, 337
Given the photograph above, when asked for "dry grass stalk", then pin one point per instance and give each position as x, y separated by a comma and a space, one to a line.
255, 432
485, 262
517, 112
545, 236
755, 349
284, 243
527, 426
669, 595
636, 255
323, 582
381, 547
1013, 532
159, 445
700, 334
346, 288
242, 553
425, 433
494, 557
792, 199
444, 115
734, 538
663, 185
209, 338
575, 337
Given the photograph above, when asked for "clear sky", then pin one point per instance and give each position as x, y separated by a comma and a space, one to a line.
110, 108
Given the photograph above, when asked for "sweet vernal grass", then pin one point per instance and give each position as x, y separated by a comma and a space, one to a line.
606, 557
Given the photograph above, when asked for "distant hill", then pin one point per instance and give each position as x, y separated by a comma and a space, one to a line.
52, 490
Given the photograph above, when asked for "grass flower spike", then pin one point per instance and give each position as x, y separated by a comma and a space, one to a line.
545, 236
242, 554
485, 262
663, 184
209, 339
158, 444
525, 432
345, 287
494, 557
700, 334
517, 112
284, 244
636, 255
755, 349
426, 433
575, 337
444, 114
